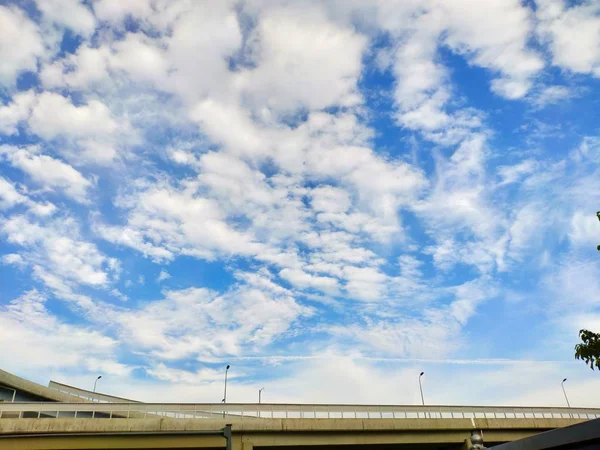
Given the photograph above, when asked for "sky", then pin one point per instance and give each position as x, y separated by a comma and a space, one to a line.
330, 196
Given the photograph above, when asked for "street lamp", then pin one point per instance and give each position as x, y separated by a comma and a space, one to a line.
565, 392
225, 393
260, 392
99, 376
598, 216
421, 388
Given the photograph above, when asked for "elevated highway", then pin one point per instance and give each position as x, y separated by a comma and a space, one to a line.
125, 425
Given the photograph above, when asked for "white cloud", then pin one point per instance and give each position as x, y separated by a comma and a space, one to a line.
42, 209
116, 11
495, 35
553, 94
200, 322
54, 115
515, 173
13, 259
573, 34
365, 283
28, 328
136, 58
433, 336
458, 197
572, 286
92, 128
140, 58
201, 376
585, 229
132, 238
12, 114
200, 60
279, 169
57, 246
20, 44
326, 146
49, 172
329, 199
162, 276
71, 14
9, 196
86, 67
177, 221
524, 229
303, 280
588, 151
302, 59
392, 327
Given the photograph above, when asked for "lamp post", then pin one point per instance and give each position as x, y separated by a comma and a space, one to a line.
225, 392
99, 376
259, 393
421, 389
562, 384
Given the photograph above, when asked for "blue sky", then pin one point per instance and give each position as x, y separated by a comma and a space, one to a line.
329, 196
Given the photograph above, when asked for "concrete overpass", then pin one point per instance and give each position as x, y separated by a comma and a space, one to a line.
152, 426
64, 417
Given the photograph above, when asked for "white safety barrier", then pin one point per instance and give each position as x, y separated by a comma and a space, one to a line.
282, 411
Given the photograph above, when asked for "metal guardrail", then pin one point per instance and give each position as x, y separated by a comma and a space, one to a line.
282, 411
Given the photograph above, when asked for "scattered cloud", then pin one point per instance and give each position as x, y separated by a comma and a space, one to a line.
572, 34
162, 276
49, 172
30, 328
350, 180
20, 44
552, 94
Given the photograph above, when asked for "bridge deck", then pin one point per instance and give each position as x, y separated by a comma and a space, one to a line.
164, 425
285, 411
